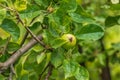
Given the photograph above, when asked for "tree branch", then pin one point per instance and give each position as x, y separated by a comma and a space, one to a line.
18, 53
26, 27
49, 72
12, 72
7, 8
24, 38
29, 31
43, 72
105, 75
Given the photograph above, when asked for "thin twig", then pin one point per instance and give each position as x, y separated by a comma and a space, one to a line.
34, 36
24, 38
43, 72
12, 72
105, 74
49, 72
5, 47
7, 8
26, 27
36, 3
29, 31
34, 19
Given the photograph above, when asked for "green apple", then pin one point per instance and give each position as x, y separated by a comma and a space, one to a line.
70, 40
112, 36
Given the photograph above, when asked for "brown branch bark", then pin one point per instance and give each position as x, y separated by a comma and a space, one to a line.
105, 75
106, 71
12, 72
18, 53
29, 31
49, 72
34, 36
26, 27
43, 71
24, 38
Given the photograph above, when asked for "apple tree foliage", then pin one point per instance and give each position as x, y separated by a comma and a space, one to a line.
48, 59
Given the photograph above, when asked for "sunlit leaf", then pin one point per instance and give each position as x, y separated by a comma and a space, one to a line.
41, 57
70, 68
90, 32
82, 74
20, 4
79, 18
2, 14
11, 27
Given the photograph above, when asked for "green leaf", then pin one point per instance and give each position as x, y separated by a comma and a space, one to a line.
90, 32
68, 5
82, 74
4, 34
2, 1
70, 68
101, 59
12, 47
79, 18
36, 27
53, 29
24, 75
48, 56
31, 12
112, 20
11, 27
2, 14
2, 77
41, 57
18, 68
54, 25
42, 2
54, 18
58, 43
116, 46
80, 10
2, 42
115, 6
73, 69
57, 58
20, 4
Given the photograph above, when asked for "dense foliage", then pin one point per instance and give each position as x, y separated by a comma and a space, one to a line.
34, 45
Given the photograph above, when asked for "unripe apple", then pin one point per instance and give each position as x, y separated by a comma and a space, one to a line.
70, 41
112, 36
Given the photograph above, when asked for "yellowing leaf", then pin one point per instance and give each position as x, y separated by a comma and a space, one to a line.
20, 4
3, 34
41, 57
2, 14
